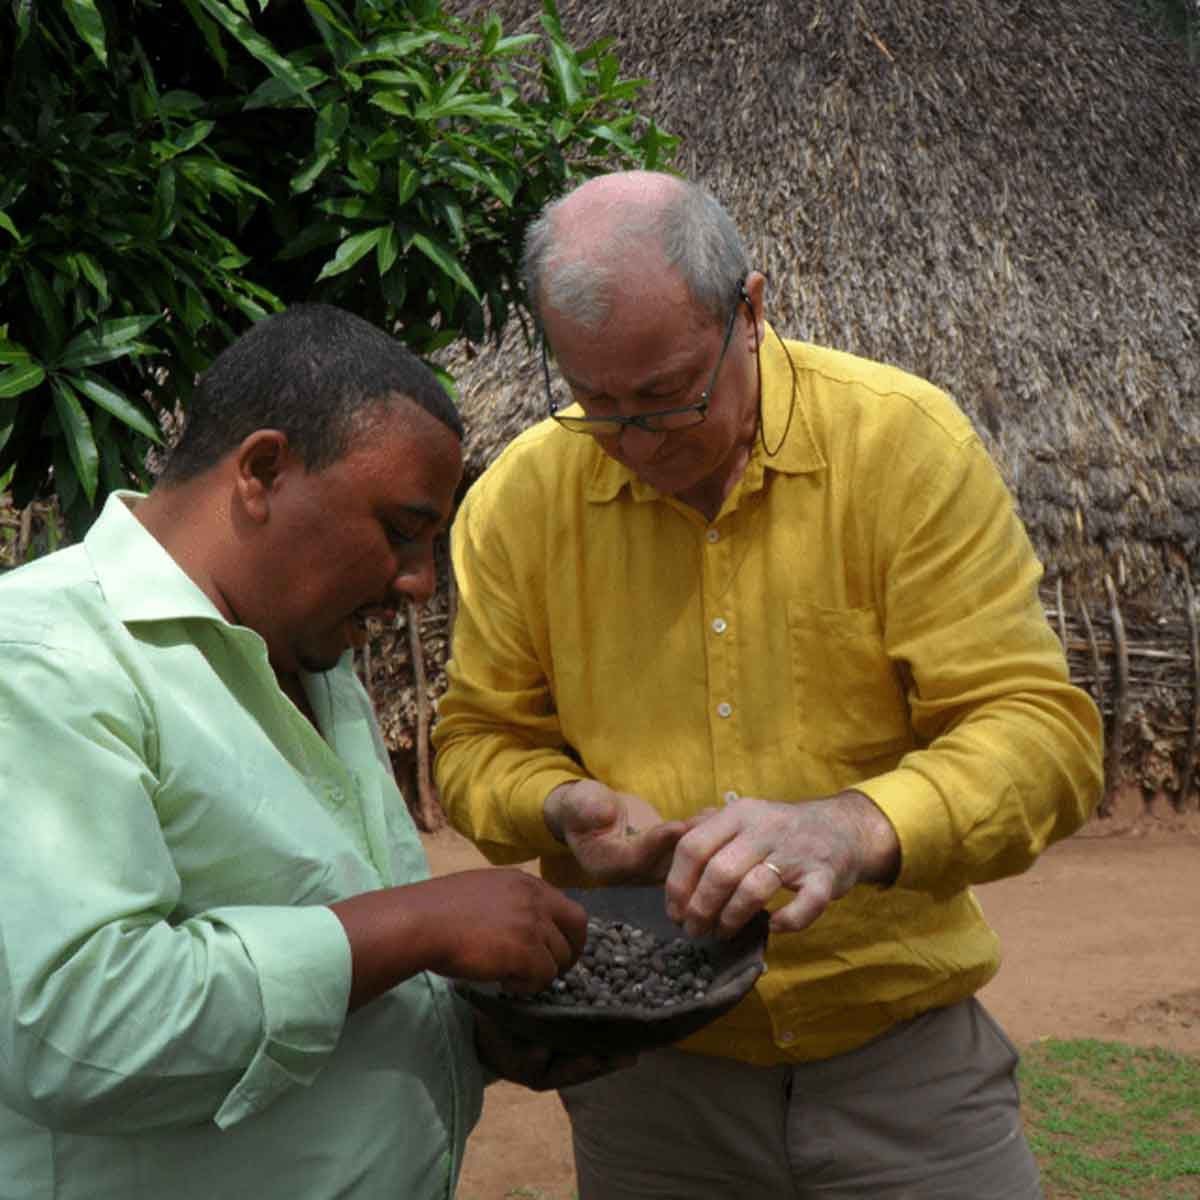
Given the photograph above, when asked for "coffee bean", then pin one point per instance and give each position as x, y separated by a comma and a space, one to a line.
624, 966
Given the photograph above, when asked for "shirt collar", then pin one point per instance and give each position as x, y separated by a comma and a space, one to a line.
798, 454
140, 580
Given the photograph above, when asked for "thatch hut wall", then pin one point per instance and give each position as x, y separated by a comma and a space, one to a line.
1004, 197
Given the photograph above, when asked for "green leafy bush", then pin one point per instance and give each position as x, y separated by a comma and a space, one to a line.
170, 171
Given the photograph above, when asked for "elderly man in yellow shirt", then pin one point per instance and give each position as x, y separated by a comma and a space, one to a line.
759, 617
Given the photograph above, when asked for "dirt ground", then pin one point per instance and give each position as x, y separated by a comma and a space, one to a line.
1101, 940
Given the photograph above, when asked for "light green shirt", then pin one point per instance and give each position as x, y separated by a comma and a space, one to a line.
173, 988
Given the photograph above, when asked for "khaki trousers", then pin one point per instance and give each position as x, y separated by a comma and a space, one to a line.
928, 1111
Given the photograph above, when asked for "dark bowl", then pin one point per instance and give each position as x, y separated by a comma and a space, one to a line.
737, 962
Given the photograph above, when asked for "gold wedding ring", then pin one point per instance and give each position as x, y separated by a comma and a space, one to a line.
772, 867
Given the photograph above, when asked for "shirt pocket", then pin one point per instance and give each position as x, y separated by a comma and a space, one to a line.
850, 697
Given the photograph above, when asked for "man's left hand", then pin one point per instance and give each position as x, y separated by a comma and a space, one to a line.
819, 849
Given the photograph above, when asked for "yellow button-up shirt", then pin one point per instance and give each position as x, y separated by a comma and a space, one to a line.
863, 612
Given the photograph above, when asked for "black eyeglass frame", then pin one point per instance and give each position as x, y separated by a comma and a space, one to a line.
615, 426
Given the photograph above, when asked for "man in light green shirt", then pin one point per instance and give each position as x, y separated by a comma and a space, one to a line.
221, 956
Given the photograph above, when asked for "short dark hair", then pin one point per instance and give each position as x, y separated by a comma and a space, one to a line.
316, 373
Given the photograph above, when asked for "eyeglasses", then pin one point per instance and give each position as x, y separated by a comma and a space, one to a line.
665, 420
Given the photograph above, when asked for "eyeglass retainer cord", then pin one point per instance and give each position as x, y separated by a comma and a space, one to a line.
762, 437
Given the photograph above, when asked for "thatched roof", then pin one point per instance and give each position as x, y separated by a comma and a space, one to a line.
1000, 195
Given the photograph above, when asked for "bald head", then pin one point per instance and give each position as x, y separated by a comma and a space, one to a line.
581, 245
625, 202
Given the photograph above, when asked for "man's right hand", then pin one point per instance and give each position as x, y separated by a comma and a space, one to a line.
494, 924
615, 837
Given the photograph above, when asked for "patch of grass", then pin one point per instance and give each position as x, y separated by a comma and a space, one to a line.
1112, 1122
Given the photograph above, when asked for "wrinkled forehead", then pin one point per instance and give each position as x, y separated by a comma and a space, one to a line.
647, 307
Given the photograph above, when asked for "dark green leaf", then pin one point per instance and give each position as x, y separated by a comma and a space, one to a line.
249, 308
392, 45
116, 403
255, 44
66, 481
331, 127
618, 139
444, 202
178, 103
387, 250
308, 174
401, 79
452, 86
324, 13
209, 173
105, 342
46, 305
112, 476
89, 24
463, 146
485, 178
312, 237
395, 103
20, 377
23, 9
81, 446
445, 262
550, 19
649, 146
350, 251
564, 69
357, 208
513, 45
188, 138
8, 418
595, 50
165, 209
388, 146
7, 225
408, 178
94, 274
364, 172
395, 287
491, 34
446, 380
210, 33
13, 352
275, 93
462, 106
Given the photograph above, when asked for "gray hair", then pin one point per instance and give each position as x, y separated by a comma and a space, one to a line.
693, 231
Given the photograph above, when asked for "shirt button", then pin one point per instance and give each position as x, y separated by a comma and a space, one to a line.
730, 796
713, 535
724, 709
787, 1038
719, 625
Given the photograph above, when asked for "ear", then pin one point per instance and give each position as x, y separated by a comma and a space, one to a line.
260, 464
753, 297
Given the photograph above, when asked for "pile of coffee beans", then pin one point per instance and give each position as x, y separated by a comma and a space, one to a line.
623, 966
